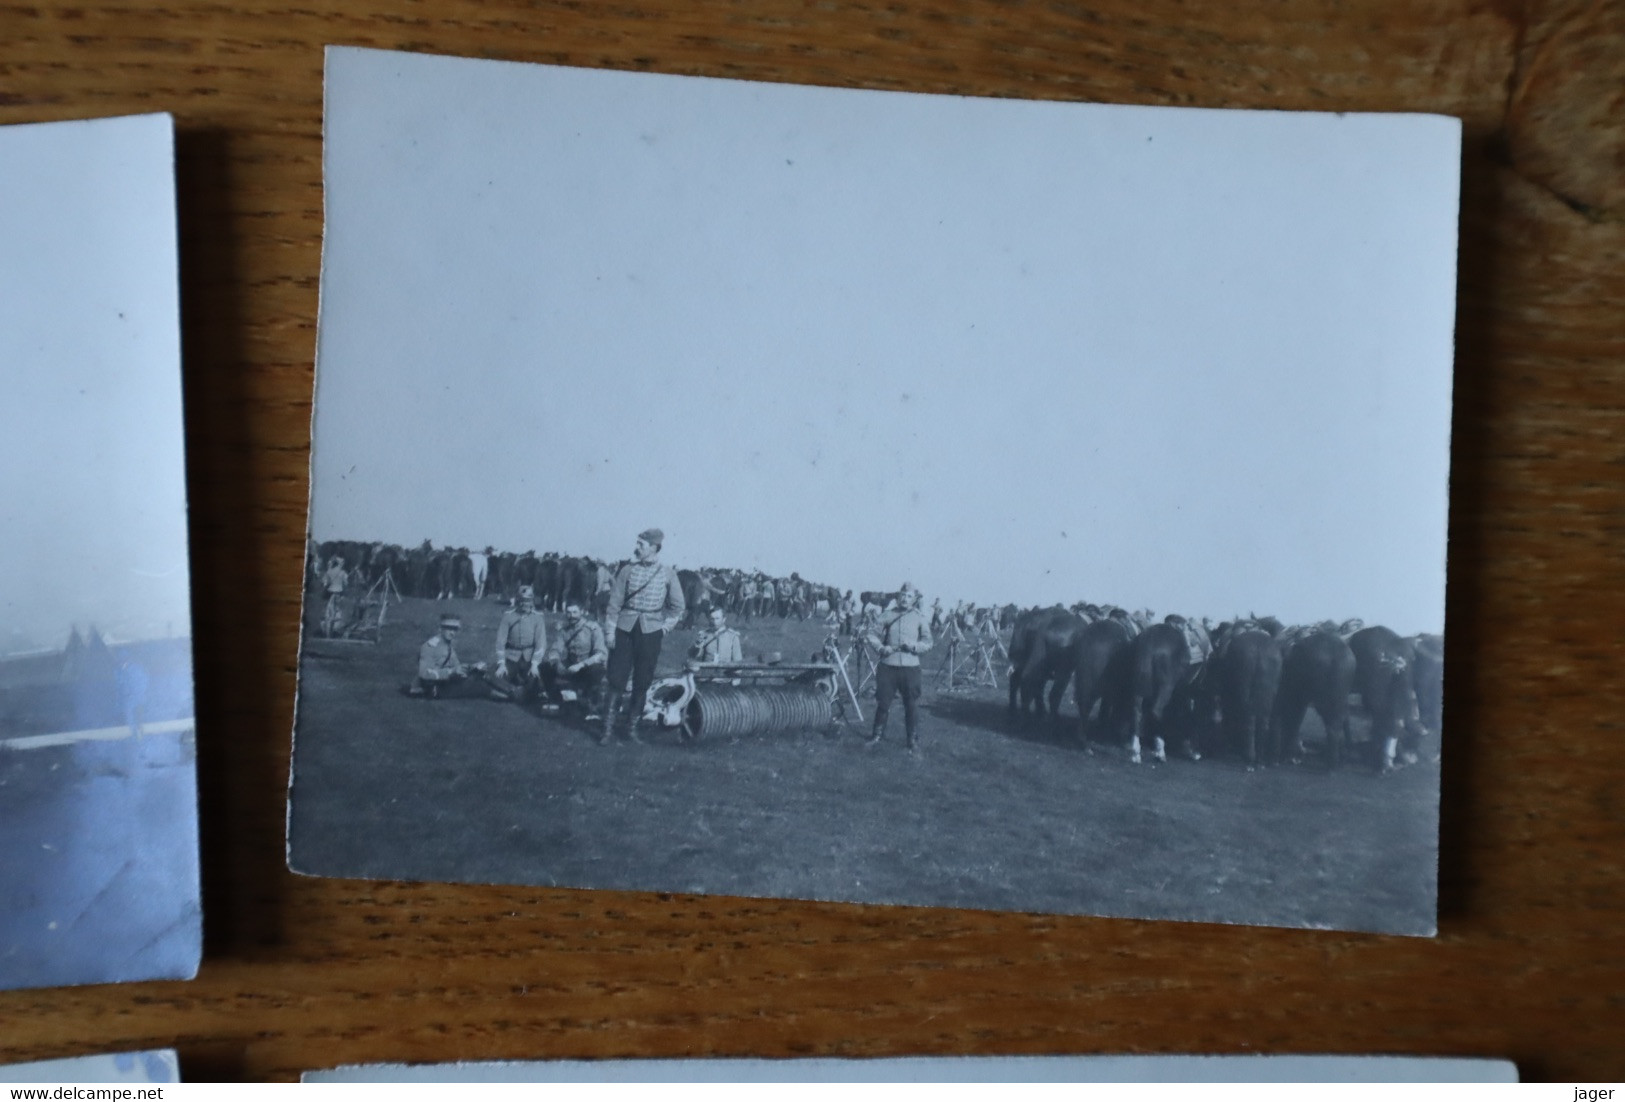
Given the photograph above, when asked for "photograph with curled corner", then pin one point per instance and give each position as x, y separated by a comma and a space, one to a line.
834, 494
98, 789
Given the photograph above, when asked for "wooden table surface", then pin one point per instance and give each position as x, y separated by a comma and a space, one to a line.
301, 973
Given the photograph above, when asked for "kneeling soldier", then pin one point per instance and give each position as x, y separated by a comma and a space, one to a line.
578, 655
521, 640
439, 668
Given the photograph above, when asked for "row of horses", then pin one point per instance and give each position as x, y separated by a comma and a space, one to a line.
1243, 687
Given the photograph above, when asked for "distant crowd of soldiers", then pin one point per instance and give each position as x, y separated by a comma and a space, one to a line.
646, 600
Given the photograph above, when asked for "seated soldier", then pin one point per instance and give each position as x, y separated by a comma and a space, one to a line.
439, 669
578, 655
521, 641
720, 644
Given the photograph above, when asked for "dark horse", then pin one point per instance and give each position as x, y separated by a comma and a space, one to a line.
1383, 677
1317, 672
1101, 646
1246, 674
1043, 651
1151, 667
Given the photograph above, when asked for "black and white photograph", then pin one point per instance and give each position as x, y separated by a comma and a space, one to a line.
98, 791
780, 491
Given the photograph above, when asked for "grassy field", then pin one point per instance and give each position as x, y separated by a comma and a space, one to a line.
990, 815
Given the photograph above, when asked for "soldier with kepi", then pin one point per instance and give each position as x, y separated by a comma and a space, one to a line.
521, 642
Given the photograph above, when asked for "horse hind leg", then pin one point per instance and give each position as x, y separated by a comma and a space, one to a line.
1159, 710
1263, 734
1085, 706
1288, 728
1087, 696
1249, 739
1057, 693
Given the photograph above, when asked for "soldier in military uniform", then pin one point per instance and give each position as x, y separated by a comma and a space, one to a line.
577, 655
439, 669
720, 644
645, 602
899, 638
521, 642
336, 577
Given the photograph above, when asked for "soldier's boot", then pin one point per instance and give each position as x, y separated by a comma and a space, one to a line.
634, 721
611, 705
912, 740
878, 733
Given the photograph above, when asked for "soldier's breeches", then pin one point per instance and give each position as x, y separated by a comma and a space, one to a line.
636, 653
586, 682
893, 681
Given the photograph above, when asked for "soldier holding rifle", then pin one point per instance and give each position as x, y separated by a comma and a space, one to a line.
720, 644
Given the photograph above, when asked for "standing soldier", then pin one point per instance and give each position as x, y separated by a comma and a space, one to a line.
480, 563
334, 582
645, 602
603, 578
849, 611
521, 642
747, 598
336, 578
899, 638
720, 644
578, 655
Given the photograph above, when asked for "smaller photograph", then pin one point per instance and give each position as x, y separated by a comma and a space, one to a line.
98, 788
948, 1069
159, 1065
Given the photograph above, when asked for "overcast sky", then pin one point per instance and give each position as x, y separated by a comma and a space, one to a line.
93, 501
1196, 360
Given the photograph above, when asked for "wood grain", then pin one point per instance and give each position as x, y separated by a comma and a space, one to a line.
303, 973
